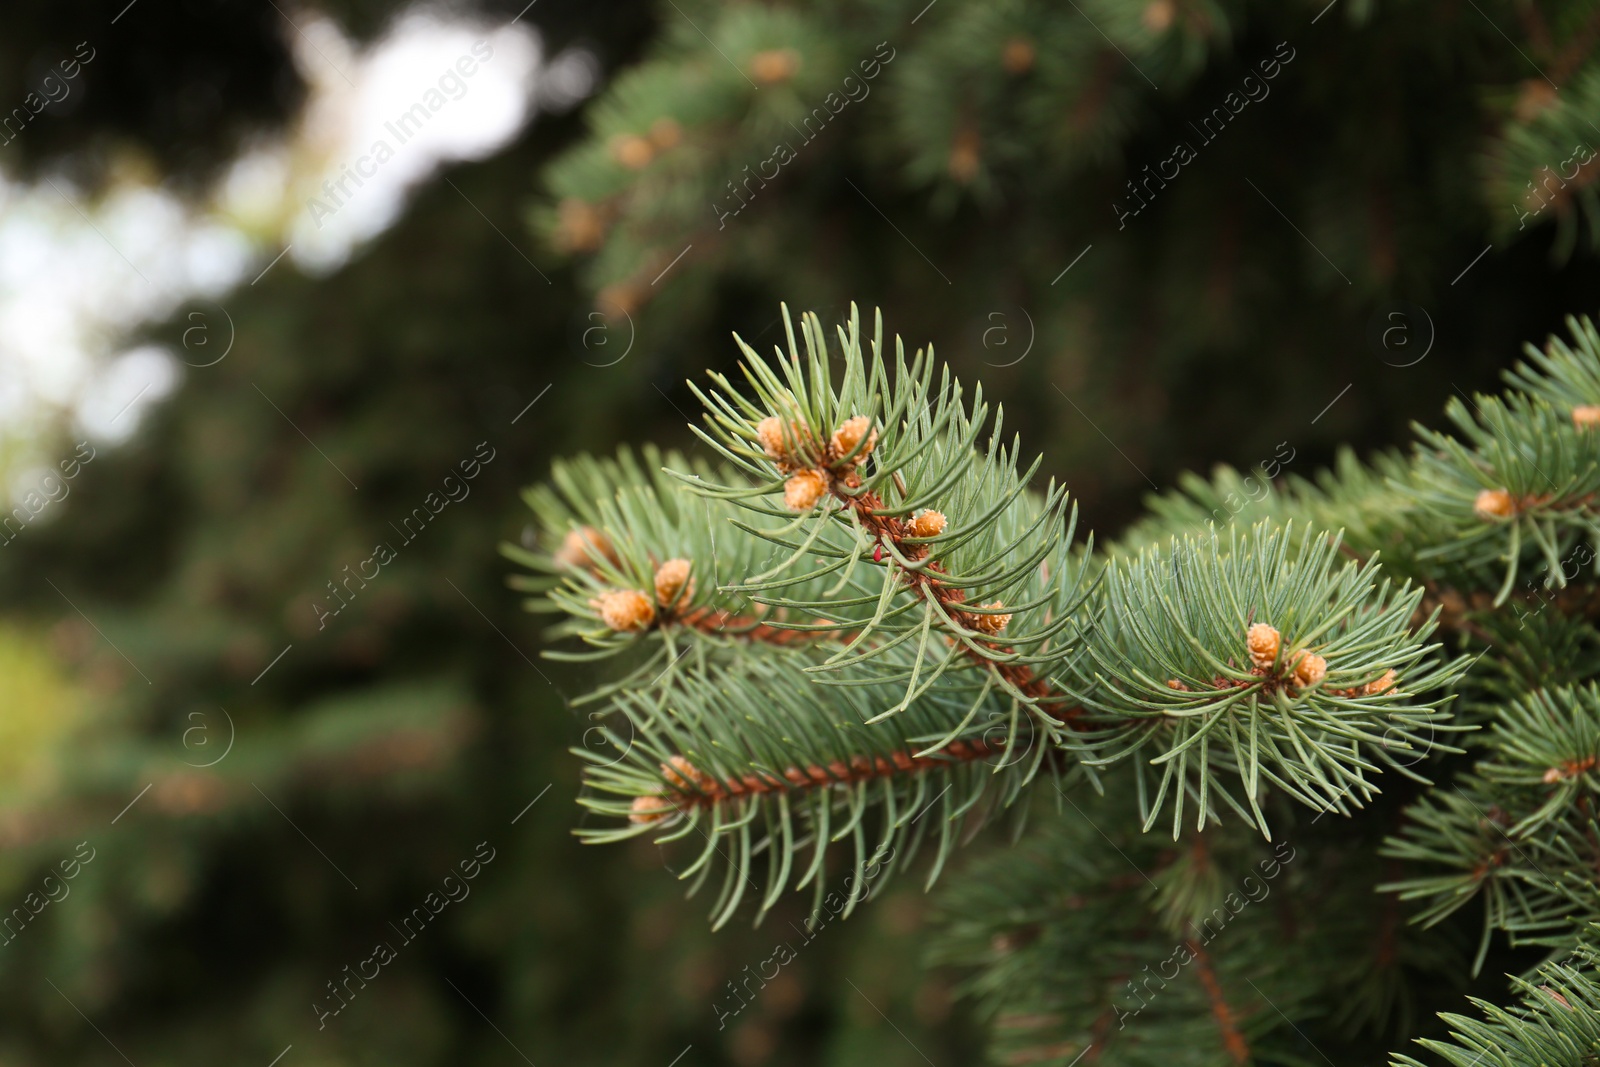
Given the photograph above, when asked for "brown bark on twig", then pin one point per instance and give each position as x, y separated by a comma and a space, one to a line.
1232, 1039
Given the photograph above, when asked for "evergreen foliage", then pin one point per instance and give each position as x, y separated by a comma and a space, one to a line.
863, 626
1401, 139
1176, 183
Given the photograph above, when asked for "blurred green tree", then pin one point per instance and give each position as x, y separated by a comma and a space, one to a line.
957, 186
1123, 214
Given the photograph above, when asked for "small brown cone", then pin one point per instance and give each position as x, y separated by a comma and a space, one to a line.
1158, 15
849, 435
673, 582
1586, 416
631, 150
625, 610
774, 65
1494, 504
581, 544
1263, 641
579, 226
684, 776
989, 624
802, 491
1383, 684
1017, 56
928, 523
648, 809
665, 133
1309, 669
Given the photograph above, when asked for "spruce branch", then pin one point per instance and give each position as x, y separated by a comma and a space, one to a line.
1521, 831
1556, 1021
865, 604
622, 551
1508, 505
1266, 656
1518, 473
1542, 169
742, 759
884, 481
1158, 985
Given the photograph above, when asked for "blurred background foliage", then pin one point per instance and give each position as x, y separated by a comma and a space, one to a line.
295, 787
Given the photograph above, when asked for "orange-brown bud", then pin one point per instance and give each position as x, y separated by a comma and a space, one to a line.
1158, 15
773, 65
1017, 56
581, 545
1536, 96
769, 431
648, 809
685, 776
928, 523
1309, 669
986, 623
966, 154
625, 610
1585, 416
665, 133
1263, 641
1494, 504
621, 298
784, 443
632, 151
673, 582
580, 227
803, 489
850, 434
1382, 685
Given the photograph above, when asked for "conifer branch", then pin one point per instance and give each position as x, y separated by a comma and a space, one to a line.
866, 603
1520, 831
961, 521
902, 539
618, 555
1556, 1020
739, 757
691, 787
1238, 1049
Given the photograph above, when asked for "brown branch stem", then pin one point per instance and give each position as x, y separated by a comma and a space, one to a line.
927, 584
724, 623
1232, 1039
694, 787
